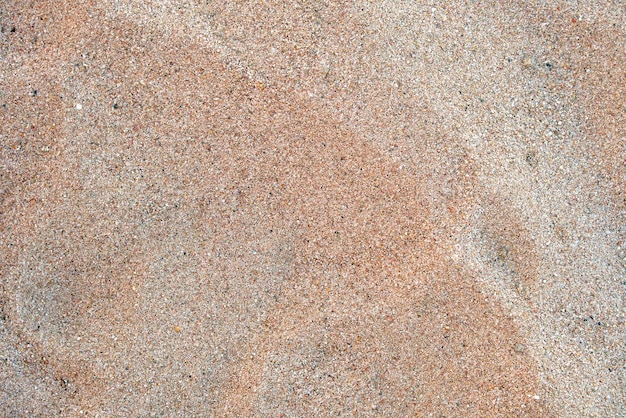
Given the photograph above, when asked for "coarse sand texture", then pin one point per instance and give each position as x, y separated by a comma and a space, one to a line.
268, 208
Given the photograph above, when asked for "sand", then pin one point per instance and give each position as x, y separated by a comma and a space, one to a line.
266, 208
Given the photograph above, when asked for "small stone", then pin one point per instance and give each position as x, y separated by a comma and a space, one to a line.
532, 158
79, 106
519, 348
527, 62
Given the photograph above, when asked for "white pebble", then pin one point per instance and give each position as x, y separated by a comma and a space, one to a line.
79, 106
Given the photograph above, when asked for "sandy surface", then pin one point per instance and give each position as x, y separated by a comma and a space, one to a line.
316, 208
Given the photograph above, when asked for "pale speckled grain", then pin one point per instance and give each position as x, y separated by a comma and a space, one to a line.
312, 208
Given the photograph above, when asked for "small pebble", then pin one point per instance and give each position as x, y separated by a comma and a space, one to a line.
527, 62
79, 106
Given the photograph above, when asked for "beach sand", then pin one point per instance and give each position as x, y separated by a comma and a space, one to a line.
315, 208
